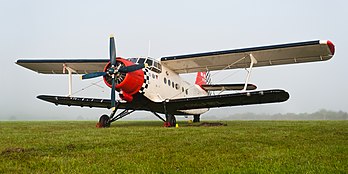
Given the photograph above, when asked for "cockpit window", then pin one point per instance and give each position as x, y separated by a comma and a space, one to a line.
149, 62
141, 60
134, 60
153, 64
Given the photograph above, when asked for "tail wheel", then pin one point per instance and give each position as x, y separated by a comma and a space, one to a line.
103, 121
196, 118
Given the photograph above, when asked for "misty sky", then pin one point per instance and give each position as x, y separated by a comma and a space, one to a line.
80, 29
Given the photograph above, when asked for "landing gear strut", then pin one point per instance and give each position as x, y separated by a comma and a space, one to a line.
196, 118
170, 119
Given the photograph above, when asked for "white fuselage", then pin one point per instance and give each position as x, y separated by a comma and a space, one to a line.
167, 85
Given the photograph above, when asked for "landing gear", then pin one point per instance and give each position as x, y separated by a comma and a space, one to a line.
103, 121
196, 118
170, 121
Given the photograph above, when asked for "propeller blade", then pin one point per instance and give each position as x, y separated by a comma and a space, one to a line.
131, 68
93, 75
113, 97
112, 51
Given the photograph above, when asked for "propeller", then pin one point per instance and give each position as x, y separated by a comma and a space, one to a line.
131, 68
93, 75
112, 51
113, 97
114, 71
111, 70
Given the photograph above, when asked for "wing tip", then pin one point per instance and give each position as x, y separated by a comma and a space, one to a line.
330, 45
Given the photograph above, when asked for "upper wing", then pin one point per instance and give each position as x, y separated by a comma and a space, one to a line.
56, 66
299, 52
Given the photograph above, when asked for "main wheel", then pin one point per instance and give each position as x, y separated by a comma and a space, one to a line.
172, 121
104, 121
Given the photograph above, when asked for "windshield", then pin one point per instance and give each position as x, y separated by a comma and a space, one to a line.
153, 64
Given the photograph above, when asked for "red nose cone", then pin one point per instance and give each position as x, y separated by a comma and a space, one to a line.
331, 47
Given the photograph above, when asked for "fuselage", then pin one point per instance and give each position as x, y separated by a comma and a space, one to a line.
165, 84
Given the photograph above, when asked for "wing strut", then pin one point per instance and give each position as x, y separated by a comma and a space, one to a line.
70, 71
252, 62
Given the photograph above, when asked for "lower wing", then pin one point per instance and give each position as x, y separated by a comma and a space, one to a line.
174, 105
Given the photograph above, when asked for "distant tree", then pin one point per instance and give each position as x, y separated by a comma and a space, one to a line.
322, 114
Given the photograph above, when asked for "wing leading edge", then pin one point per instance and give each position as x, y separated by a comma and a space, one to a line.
56, 66
300, 52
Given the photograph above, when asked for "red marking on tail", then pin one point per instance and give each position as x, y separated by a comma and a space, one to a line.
201, 78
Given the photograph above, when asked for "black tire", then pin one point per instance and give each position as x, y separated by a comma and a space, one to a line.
172, 121
104, 121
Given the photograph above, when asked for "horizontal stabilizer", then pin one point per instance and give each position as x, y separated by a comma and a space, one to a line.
227, 87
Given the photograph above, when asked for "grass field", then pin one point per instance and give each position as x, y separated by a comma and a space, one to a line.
145, 147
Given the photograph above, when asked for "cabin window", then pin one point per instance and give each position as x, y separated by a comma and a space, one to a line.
153, 76
177, 86
173, 84
168, 82
186, 91
165, 80
182, 89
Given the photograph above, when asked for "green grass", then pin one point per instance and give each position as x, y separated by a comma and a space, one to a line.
147, 147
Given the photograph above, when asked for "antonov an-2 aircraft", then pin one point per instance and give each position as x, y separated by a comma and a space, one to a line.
156, 86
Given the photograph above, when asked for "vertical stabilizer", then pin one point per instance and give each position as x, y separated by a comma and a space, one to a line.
201, 78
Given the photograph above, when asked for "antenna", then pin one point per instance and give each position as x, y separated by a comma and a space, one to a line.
149, 48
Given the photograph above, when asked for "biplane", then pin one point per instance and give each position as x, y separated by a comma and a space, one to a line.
155, 85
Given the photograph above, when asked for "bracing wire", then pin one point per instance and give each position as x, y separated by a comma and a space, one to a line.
90, 85
212, 75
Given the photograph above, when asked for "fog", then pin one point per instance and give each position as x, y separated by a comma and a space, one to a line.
80, 29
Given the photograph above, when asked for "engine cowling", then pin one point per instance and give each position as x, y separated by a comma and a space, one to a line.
127, 84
